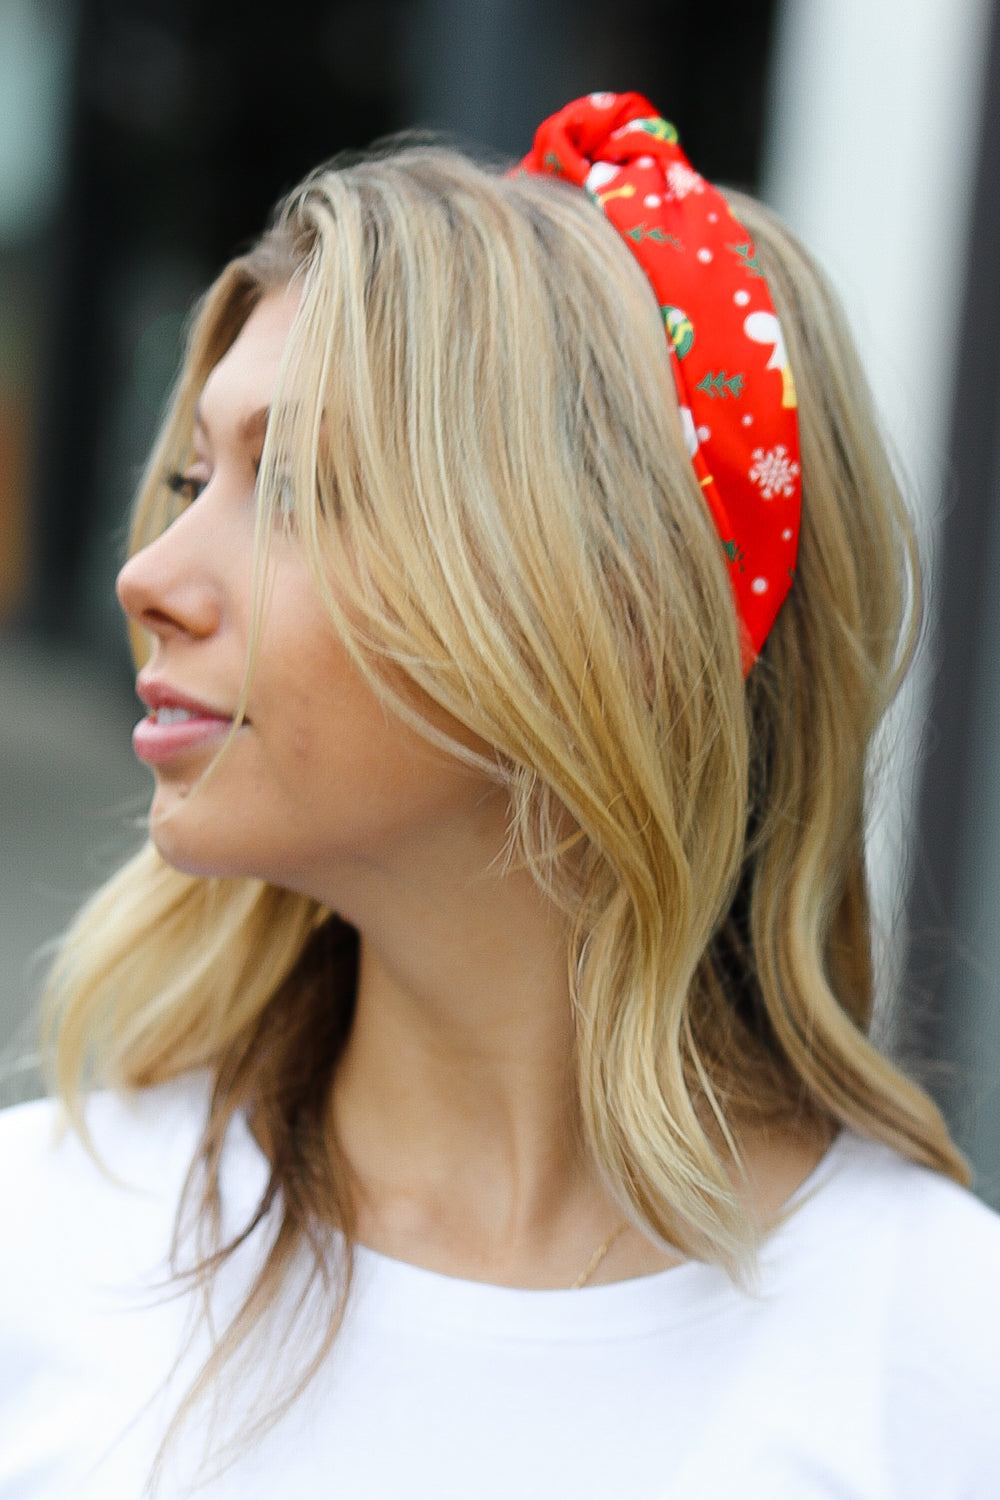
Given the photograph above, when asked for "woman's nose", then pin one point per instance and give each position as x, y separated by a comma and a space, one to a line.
168, 587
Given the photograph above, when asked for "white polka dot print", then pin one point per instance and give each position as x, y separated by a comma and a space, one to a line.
690, 435
759, 585
704, 433
786, 535
652, 201
747, 420
602, 101
704, 255
742, 297
645, 161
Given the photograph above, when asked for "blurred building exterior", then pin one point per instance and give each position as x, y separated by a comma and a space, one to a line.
883, 151
142, 143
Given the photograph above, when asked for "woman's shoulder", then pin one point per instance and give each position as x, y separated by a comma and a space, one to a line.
109, 1204
904, 1257
133, 1138
882, 1216
943, 1332
916, 1260
93, 1320
945, 1273
949, 1233
881, 1305
899, 1182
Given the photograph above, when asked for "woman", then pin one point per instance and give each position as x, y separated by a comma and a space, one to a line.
478, 1049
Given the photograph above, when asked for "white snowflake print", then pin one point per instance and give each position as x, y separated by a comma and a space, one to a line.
682, 180
774, 471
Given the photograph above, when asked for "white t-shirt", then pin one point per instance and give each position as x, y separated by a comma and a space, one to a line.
864, 1366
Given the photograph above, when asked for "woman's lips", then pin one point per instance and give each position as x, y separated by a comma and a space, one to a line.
176, 723
166, 733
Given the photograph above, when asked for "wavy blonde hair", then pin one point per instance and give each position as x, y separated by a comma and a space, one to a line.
478, 421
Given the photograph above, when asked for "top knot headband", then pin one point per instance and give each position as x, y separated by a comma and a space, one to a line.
736, 393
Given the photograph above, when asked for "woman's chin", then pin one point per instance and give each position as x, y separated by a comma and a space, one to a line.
181, 838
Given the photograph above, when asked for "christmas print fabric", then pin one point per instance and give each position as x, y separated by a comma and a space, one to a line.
734, 384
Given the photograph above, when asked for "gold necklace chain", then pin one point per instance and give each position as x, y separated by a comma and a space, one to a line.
598, 1256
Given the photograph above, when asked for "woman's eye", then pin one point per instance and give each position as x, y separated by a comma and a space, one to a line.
186, 485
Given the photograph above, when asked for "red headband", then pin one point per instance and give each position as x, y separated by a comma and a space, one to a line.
735, 388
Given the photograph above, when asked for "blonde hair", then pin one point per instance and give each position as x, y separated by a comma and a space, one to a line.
502, 513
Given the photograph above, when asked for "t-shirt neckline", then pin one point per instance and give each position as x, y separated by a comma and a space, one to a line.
399, 1293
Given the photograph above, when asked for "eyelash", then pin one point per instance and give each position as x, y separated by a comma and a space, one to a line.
188, 489
184, 486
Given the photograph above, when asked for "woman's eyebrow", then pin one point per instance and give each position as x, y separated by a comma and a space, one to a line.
248, 428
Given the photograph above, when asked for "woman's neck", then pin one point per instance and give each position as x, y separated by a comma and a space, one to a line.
454, 1104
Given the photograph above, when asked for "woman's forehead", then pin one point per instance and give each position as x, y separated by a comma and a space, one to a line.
237, 395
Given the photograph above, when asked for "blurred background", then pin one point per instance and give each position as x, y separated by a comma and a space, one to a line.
142, 143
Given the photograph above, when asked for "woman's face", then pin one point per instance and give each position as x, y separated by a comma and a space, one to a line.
320, 777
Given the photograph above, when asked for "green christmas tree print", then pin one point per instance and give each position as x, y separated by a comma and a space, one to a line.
721, 385
749, 260
640, 233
